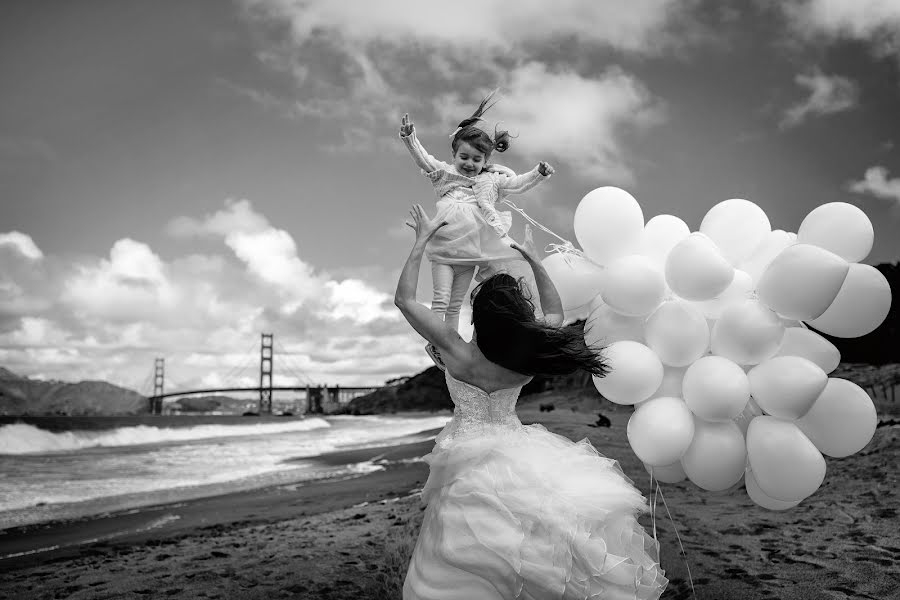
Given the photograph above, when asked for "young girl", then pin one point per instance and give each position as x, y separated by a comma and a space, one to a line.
475, 234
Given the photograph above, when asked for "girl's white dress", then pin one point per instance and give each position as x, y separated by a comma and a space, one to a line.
516, 511
474, 230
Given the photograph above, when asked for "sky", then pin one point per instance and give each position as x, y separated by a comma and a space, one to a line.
177, 178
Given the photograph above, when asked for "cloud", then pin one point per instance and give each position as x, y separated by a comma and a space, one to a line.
876, 183
358, 65
559, 114
109, 317
874, 21
271, 256
828, 94
131, 285
623, 24
21, 243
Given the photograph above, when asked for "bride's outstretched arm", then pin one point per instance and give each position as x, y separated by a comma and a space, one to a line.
422, 319
551, 305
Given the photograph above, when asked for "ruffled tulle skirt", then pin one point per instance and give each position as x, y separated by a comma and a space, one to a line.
530, 514
468, 238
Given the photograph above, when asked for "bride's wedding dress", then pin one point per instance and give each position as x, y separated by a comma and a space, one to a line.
516, 511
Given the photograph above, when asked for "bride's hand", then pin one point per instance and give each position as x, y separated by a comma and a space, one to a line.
527, 247
424, 226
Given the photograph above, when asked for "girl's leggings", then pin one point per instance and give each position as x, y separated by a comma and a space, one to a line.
451, 282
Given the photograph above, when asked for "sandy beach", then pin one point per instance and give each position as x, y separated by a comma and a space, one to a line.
343, 539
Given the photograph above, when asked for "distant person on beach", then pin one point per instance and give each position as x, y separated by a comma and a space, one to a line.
476, 234
516, 511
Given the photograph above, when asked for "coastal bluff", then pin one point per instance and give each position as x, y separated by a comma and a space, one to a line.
427, 391
24, 396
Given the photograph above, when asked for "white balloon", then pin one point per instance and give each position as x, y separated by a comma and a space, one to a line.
839, 227
758, 496
677, 332
715, 389
660, 430
799, 341
634, 373
660, 235
750, 412
842, 420
633, 286
861, 305
737, 227
802, 281
747, 333
667, 474
608, 224
785, 463
605, 326
741, 288
696, 270
577, 280
765, 253
786, 386
717, 456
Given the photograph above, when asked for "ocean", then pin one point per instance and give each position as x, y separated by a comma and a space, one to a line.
57, 468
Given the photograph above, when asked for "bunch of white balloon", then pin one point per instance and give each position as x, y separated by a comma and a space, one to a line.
704, 335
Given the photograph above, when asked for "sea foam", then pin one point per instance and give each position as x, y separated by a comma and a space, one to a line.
21, 438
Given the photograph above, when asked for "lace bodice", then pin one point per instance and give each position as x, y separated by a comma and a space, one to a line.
477, 412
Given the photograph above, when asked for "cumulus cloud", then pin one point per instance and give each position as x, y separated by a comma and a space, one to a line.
21, 243
828, 94
875, 182
362, 63
109, 317
132, 284
271, 255
625, 24
874, 21
577, 120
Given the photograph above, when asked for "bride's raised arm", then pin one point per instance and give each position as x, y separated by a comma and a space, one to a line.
551, 305
427, 323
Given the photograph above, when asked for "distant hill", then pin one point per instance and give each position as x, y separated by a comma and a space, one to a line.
427, 391
202, 404
23, 396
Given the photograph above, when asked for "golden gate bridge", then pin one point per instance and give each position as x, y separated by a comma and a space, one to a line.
317, 395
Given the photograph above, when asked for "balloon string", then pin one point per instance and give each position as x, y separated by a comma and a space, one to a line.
653, 500
565, 242
683, 554
566, 248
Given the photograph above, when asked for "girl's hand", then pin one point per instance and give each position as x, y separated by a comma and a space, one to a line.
545, 169
527, 247
424, 227
406, 126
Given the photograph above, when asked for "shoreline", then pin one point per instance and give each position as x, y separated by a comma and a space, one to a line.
37, 543
342, 540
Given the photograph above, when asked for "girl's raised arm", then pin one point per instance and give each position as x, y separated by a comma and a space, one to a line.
420, 156
524, 182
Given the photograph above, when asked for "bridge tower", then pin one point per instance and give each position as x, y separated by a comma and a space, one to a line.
159, 382
265, 375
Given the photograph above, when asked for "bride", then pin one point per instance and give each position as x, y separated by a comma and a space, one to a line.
516, 511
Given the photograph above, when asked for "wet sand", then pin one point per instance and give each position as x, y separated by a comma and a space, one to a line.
339, 539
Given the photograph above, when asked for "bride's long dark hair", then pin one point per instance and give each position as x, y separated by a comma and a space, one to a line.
508, 333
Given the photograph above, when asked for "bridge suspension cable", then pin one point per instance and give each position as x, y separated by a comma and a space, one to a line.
285, 357
235, 372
